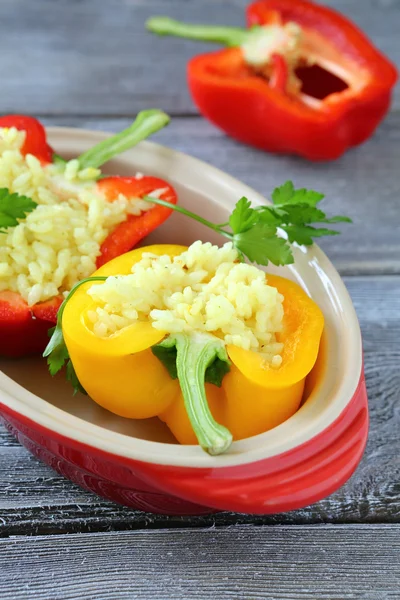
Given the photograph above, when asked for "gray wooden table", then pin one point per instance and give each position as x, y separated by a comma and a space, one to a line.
87, 63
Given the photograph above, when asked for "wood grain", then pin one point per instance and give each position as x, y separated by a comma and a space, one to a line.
272, 563
87, 63
90, 57
363, 184
34, 499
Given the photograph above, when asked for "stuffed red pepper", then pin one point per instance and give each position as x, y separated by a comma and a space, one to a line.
60, 220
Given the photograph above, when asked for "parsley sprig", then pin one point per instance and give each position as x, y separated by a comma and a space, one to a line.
264, 234
12, 208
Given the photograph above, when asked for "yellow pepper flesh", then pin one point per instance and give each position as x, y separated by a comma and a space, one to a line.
121, 373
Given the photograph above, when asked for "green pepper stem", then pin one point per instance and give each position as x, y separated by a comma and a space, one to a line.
146, 123
228, 36
195, 353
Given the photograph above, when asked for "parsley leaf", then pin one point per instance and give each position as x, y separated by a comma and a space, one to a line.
12, 208
262, 245
57, 353
303, 234
56, 350
269, 216
300, 214
283, 194
286, 194
73, 379
305, 196
243, 216
294, 211
337, 219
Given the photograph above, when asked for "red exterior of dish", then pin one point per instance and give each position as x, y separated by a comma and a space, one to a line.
284, 482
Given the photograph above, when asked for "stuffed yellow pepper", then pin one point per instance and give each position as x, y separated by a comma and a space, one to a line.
214, 347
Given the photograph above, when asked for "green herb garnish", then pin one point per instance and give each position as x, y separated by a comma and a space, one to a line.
259, 233
12, 208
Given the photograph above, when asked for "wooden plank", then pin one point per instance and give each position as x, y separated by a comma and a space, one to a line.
91, 57
363, 184
271, 563
34, 499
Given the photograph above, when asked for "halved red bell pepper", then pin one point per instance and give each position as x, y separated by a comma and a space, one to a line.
331, 94
23, 328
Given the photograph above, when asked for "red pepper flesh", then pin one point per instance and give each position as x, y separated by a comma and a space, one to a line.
279, 77
24, 329
130, 232
230, 94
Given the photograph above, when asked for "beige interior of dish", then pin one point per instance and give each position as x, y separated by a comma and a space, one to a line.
211, 193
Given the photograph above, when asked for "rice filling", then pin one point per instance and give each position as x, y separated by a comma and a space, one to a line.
204, 289
57, 244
